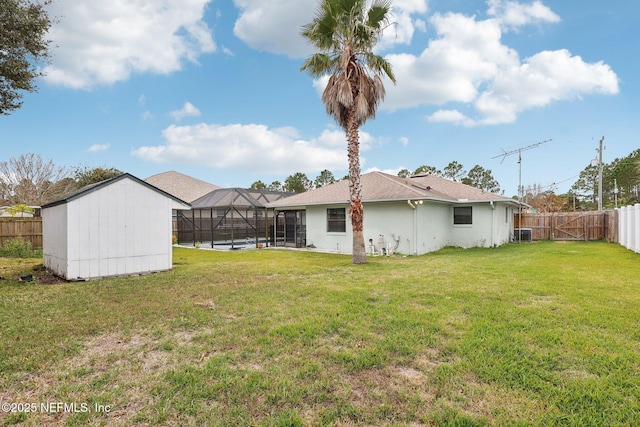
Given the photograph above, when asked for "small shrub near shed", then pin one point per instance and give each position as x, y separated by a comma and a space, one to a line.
16, 248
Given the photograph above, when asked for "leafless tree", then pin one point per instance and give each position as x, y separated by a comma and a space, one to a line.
31, 180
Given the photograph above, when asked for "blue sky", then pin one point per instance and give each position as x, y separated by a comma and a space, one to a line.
213, 89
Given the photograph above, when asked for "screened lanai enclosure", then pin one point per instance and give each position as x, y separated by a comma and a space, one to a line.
229, 218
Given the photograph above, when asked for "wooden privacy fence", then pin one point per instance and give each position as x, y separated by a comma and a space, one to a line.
25, 229
599, 225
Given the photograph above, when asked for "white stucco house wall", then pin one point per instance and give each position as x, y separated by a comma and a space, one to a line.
412, 216
120, 226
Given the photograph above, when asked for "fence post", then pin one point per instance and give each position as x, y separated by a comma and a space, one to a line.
622, 225
636, 228
628, 226
631, 222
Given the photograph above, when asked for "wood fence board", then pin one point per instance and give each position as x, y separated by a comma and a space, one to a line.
25, 229
601, 225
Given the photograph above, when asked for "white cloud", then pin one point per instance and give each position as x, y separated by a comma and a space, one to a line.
105, 42
512, 14
275, 25
452, 68
468, 64
146, 115
188, 110
451, 116
540, 80
251, 147
95, 148
403, 24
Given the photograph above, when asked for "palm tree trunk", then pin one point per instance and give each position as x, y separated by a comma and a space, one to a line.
356, 211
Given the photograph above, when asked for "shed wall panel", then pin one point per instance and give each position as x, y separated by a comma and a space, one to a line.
54, 235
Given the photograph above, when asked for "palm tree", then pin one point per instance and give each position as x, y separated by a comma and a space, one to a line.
345, 33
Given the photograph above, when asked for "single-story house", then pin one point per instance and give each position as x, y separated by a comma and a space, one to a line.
413, 215
119, 226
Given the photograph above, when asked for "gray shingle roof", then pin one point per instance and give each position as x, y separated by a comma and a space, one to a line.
181, 186
379, 186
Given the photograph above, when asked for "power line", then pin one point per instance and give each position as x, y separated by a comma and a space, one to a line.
553, 184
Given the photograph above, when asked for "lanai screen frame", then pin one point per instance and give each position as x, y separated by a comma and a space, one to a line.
229, 217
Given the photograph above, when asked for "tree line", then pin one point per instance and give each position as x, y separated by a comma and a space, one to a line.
31, 180
620, 187
620, 184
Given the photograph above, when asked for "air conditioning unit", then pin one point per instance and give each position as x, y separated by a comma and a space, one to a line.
522, 234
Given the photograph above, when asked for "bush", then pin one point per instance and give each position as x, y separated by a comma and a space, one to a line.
16, 248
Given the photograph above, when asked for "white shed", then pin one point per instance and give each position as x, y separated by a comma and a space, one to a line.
120, 226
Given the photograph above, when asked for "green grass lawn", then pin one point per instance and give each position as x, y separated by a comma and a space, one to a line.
531, 334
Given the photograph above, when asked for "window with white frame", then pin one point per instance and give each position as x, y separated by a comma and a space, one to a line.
336, 220
462, 215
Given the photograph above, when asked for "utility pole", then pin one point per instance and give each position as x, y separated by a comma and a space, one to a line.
600, 174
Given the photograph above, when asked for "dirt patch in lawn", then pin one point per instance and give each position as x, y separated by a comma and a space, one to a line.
48, 278
118, 371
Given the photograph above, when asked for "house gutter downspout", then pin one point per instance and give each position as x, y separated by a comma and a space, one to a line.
415, 227
493, 224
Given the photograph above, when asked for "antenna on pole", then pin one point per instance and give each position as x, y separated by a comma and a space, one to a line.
506, 154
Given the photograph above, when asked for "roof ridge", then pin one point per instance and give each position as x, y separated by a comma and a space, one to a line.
400, 181
467, 187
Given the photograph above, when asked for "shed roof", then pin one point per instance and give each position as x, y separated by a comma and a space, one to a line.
180, 185
98, 185
379, 186
237, 197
